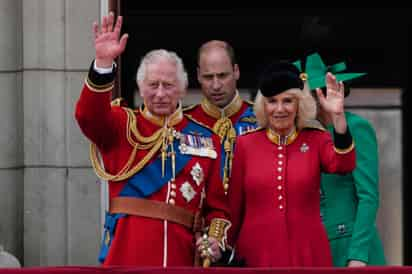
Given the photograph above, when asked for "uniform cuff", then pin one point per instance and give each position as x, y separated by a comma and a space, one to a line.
343, 142
218, 229
98, 80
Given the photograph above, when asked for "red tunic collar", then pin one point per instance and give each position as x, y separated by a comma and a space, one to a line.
282, 140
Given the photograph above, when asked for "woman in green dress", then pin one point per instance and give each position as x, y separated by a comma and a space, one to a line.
349, 203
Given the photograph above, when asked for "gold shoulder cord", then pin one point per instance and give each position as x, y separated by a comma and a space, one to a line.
153, 142
223, 127
228, 146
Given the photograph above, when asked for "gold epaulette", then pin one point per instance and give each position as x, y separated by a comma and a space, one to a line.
249, 119
314, 124
118, 102
189, 107
190, 117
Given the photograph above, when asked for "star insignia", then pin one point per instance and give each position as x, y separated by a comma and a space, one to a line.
197, 174
187, 191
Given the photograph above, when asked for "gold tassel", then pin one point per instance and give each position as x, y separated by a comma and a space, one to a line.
205, 246
172, 152
164, 154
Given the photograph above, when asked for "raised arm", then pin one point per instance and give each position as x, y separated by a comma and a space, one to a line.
98, 120
106, 40
333, 102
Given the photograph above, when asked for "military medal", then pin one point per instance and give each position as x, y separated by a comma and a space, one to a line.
194, 144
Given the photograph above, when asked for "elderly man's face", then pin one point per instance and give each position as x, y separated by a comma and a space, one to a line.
161, 89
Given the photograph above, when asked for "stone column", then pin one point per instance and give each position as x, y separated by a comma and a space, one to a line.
384, 112
11, 140
61, 198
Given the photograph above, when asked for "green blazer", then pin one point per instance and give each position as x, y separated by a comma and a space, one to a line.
349, 202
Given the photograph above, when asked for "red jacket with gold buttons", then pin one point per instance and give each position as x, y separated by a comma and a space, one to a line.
143, 241
274, 197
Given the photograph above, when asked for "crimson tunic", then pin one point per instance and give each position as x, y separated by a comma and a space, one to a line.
141, 241
274, 198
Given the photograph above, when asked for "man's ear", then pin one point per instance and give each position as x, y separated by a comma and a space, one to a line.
183, 93
236, 71
140, 90
198, 74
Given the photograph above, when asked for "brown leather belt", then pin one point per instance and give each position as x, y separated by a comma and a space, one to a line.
154, 209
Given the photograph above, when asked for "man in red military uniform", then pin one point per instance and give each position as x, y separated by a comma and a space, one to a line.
162, 167
221, 109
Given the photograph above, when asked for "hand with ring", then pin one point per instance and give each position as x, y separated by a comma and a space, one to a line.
208, 247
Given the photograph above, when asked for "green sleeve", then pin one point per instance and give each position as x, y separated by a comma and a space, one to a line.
366, 180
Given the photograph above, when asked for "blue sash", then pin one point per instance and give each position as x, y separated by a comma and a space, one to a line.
149, 180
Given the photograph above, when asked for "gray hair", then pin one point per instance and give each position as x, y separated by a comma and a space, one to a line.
158, 54
306, 107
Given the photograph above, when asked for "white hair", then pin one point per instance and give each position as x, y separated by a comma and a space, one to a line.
158, 54
306, 107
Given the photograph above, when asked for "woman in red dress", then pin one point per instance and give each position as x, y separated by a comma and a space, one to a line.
274, 185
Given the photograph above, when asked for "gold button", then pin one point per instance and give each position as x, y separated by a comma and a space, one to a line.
280, 148
279, 178
172, 201
279, 169
281, 207
279, 187
280, 155
280, 162
173, 193
280, 197
173, 186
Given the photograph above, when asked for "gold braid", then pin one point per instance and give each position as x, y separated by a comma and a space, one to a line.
153, 142
223, 127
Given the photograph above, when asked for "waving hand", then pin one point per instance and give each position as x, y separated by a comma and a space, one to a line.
107, 44
333, 102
